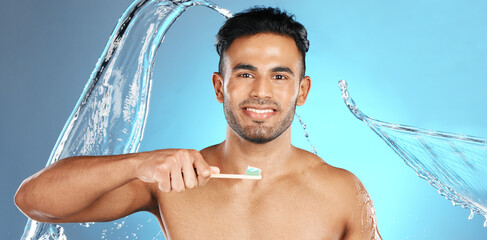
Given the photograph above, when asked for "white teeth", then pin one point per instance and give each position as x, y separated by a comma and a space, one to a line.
260, 111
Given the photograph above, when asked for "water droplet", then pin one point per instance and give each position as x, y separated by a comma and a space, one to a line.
472, 214
86, 224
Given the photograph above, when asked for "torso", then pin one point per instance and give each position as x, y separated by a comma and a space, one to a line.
312, 203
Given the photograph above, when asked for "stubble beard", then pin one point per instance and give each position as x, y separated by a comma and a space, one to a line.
258, 133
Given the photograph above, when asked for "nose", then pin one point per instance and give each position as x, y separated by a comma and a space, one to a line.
261, 88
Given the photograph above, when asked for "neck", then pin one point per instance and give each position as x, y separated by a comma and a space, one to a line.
272, 157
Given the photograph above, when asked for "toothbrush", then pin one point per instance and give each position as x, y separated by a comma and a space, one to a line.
250, 173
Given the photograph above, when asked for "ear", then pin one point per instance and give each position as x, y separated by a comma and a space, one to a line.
218, 86
304, 87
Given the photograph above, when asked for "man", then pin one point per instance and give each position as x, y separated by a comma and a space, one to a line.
260, 81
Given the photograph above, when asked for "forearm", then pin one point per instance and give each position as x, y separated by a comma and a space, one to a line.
73, 184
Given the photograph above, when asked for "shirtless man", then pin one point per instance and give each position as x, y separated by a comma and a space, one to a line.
260, 81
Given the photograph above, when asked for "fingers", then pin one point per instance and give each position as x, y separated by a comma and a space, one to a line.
187, 170
163, 179
177, 183
189, 175
203, 170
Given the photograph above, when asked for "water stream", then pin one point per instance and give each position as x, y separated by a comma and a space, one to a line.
110, 115
456, 165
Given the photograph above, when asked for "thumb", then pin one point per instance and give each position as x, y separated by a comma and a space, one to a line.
214, 170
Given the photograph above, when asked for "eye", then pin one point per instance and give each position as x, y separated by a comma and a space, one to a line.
279, 77
244, 75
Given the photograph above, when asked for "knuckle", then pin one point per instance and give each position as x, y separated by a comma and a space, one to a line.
194, 153
172, 161
188, 153
181, 153
164, 168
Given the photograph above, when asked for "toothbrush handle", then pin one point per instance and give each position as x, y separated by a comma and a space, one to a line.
235, 176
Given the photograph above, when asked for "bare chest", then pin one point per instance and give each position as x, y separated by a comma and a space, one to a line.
214, 212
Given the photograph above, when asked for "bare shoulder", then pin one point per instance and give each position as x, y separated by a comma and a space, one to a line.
350, 198
322, 172
333, 183
347, 194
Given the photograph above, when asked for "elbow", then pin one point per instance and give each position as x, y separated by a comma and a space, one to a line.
20, 199
31, 212
24, 203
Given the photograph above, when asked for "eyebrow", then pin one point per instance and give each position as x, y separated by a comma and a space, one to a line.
253, 68
244, 66
282, 69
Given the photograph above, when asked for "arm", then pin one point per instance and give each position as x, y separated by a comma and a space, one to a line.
363, 223
103, 188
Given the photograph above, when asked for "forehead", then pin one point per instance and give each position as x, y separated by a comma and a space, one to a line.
264, 50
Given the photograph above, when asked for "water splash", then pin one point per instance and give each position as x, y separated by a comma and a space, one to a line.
306, 135
110, 115
368, 225
456, 165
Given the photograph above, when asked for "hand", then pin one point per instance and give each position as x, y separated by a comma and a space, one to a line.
174, 169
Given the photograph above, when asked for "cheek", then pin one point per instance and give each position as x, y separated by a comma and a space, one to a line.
288, 93
235, 91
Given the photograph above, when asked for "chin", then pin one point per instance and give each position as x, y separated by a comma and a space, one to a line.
259, 134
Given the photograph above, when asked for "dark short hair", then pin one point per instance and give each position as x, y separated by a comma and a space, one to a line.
261, 20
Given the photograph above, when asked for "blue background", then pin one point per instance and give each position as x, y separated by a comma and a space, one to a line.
420, 63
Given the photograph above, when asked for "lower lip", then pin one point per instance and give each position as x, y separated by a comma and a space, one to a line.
259, 116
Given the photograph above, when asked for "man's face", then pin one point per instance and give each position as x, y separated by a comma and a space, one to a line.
261, 85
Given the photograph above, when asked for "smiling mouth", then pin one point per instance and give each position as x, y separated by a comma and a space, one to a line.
259, 114
256, 110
